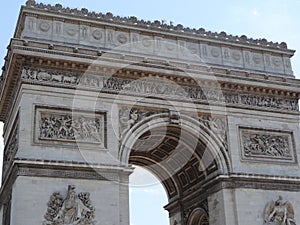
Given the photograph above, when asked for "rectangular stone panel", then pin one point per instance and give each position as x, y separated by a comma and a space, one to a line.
267, 145
64, 126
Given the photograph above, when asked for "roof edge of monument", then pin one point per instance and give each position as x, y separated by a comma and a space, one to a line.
134, 21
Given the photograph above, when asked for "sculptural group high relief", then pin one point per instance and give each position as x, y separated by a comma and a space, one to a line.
75, 209
71, 128
267, 145
169, 90
279, 213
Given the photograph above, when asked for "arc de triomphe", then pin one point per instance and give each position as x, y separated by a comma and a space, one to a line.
84, 96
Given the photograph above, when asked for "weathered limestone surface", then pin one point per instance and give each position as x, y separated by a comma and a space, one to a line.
84, 96
109, 33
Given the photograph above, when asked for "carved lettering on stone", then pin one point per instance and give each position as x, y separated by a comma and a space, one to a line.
74, 209
63, 126
267, 145
279, 213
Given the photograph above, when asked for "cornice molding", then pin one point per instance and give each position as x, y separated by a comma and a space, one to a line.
63, 61
155, 25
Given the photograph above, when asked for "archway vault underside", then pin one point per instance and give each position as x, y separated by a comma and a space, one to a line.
175, 157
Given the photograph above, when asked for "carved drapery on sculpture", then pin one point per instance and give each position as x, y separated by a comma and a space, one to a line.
62, 125
166, 90
267, 145
279, 213
74, 209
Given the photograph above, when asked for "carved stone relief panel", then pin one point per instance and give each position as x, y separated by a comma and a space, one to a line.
287, 65
11, 148
44, 27
30, 24
146, 44
199, 94
232, 57
217, 125
97, 35
64, 126
128, 117
114, 84
253, 60
70, 210
211, 53
273, 63
110, 38
267, 145
57, 30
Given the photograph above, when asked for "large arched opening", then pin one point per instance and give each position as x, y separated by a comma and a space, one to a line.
183, 154
147, 193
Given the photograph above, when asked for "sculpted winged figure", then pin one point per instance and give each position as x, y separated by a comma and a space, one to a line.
279, 213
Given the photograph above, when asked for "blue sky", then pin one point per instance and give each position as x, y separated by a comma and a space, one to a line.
275, 20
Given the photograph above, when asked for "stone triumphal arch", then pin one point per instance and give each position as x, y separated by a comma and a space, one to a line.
85, 95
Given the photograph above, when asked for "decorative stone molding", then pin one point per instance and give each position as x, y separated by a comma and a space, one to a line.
71, 210
157, 25
49, 76
166, 90
267, 145
279, 213
67, 173
200, 94
65, 126
128, 36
